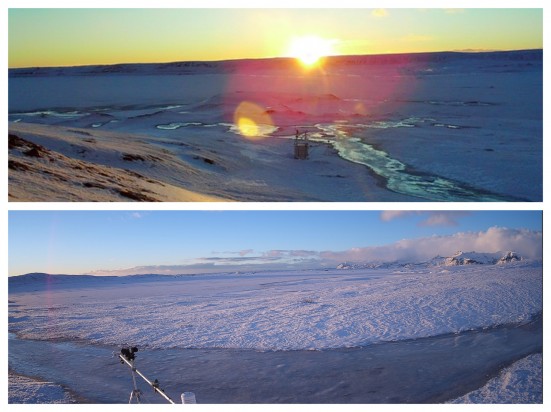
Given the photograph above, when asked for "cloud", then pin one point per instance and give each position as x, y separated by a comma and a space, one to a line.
387, 215
380, 13
443, 218
209, 267
525, 242
274, 253
433, 218
269, 260
303, 253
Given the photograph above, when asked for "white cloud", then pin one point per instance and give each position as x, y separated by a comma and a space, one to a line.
433, 218
525, 242
443, 218
387, 215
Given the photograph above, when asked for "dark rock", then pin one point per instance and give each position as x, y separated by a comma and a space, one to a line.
34, 152
131, 158
15, 165
140, 197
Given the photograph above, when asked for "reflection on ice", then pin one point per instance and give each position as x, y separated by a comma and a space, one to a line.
250, 129
51, 113
174, 126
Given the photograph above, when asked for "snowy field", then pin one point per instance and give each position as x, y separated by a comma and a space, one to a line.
442, 127
522, 382
296, 312
274, 311
26, 390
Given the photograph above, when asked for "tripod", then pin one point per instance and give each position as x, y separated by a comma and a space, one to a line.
127, 356
136, 393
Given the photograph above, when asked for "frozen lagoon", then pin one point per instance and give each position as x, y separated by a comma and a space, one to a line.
451, 128
428, 370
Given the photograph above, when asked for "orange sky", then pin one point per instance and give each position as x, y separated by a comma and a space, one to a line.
61, 37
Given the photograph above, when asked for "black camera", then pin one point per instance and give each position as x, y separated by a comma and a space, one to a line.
129, 353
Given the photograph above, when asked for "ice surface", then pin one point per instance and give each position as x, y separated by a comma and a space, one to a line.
429, 370
279, 310
444, 127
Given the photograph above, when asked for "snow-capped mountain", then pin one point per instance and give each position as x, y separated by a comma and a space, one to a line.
474, 258
459, 258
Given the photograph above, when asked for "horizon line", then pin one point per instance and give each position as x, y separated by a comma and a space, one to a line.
243, 269
463, 51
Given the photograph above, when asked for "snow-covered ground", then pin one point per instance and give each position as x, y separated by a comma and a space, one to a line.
522, 382
289, 312
26, 390
401, 129
275, 311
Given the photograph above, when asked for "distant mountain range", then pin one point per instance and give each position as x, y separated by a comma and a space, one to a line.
41, 281
231, 66
459, 258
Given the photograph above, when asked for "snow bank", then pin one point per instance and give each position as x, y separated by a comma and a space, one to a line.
22, 389
522, 382
281, 311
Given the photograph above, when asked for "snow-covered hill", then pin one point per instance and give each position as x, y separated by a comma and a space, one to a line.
473, 258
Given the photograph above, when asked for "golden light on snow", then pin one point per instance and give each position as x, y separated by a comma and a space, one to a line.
310, 49
252, 121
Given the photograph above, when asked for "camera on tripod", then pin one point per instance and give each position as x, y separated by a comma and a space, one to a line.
129, 353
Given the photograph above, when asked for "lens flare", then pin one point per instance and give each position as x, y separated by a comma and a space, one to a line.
310, 49
360, 108
247, 127
252, 121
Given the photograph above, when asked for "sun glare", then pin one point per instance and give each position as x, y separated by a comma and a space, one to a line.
309, 49
252, 121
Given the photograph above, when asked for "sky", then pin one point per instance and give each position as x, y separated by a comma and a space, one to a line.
68, 37
174, 242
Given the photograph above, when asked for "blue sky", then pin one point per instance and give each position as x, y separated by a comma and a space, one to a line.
125, 242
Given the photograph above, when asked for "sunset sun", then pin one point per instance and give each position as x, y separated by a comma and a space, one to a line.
309, 49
